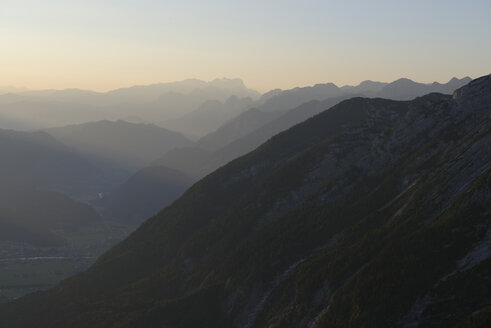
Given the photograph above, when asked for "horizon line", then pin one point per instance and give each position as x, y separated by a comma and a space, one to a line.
28, 89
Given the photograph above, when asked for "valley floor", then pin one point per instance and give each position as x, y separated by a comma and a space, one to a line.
25, 268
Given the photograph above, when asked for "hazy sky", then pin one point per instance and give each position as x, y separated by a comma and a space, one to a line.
106, 44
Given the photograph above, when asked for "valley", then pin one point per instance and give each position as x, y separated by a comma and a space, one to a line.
26, 268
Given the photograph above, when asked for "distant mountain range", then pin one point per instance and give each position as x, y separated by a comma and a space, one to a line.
144, 194
373, 213
142, 104
192, 107
255, 126
37, 159
209, 116
402, 89
221, 89
113, 149
240, 136
236, 128
131, 145
40, 180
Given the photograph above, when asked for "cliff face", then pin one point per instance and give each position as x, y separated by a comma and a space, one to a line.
374, 213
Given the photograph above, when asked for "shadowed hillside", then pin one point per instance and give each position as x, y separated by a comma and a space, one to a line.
122, 143
37, 159
374, 213
145, 193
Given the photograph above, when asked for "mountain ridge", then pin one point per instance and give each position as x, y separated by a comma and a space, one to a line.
145, 193
368, 206
122, 142
39, 160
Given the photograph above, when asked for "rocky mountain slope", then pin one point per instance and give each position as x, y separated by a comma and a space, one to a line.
374, 213
240, 136
279, 110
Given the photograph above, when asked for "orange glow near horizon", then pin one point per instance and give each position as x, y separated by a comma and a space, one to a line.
105, 45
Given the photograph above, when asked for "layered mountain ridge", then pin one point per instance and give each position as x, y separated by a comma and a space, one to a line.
37, 159
373, 213
144, 194
277, 111
131, 145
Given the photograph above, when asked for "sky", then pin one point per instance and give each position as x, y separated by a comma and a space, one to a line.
107, 44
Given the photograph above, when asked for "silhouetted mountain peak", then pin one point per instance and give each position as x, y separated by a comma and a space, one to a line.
326, 85
466, 79
367, 83
402, 81
228, 83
